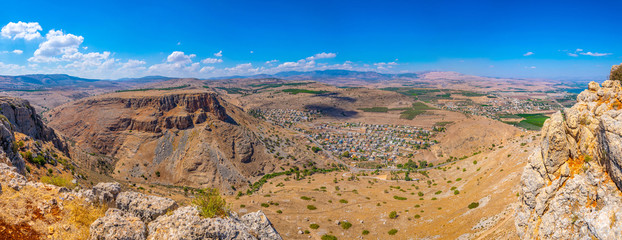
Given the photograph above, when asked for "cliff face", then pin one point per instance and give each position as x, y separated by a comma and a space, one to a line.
16, 115
187, 137
571, 187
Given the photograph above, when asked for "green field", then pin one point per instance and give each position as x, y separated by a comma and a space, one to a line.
297, 91
233, 90
530, 122
411, 114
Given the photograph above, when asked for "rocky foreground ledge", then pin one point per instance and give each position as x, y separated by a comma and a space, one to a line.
571, 187
131, 215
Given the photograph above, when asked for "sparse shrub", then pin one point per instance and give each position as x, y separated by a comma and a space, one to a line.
58, 181
417, 216
305, 198
456, 192
279, 211
393, 215
420, 194
311, 207
328, 237
399, 198
314, 226
438, 192
458, 179
346, 225
473, 205
392, 231
343, 201
157, 174
265, 205
365, 232
210, 203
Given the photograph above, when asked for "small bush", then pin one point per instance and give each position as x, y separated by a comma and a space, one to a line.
346, 225
158, 174
58, 181
420, 194
311, 207
265, 205
210, 203
328, 237
343, 201
473, 205
399, 198
393, 215
279, 211
365, 232
456, 192
417, 216
305, 198
314, 226
438, 192
392, 231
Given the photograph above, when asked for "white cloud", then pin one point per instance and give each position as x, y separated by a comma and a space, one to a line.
579, 50
573, 54
56, 43
27, 31
211, 60
243, 68
252, 52
385, 65
207, 69
321, 56
218, 54
528, 54
17, 51
180, 57
272, 61
595, 54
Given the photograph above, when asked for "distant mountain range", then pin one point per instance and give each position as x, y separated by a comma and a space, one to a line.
331, 75
63, 81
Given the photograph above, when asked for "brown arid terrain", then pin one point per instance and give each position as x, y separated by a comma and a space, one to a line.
188, 137
173, 138
487, 175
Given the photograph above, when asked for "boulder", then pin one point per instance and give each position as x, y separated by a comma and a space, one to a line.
117, 225
146, 207
186, 223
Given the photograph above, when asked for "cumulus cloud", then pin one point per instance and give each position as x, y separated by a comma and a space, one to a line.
17, 51
27, 31
594, 54
206, 69
211, 60
573, 54
528, 54
579, 50
180, 57
272, 61
56, 44
244, 68
321, 56
218, 54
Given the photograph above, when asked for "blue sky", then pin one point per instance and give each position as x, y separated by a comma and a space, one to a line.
115, 39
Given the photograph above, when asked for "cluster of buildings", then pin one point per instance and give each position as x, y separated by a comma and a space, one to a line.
371, 142
497, 106
286, 117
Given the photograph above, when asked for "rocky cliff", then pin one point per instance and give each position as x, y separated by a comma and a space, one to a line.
186, 137
16, 115
571, 187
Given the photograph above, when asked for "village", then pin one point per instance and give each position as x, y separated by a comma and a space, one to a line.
496, 106
383, 144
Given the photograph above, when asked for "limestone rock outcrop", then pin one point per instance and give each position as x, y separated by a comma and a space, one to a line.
185, 223
146, 207
118, 225
571, 187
